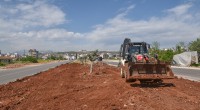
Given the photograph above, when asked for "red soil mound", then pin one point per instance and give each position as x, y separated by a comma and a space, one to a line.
71, 87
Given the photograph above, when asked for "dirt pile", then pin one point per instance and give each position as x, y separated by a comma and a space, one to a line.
71, 87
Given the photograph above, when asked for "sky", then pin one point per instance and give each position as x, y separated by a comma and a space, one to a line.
73, 25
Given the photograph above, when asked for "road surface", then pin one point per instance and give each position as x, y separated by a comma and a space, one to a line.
187, 73
184, 72
8, 75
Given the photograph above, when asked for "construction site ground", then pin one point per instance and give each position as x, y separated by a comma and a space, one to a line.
72, 87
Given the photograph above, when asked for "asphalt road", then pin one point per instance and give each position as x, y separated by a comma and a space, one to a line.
184, 72
9, 75
187, 73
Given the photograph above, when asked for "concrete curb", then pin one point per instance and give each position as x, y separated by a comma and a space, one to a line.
112, 65
188, 78
110, 60
195, 68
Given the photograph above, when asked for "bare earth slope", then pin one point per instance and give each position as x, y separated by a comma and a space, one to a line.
70, 87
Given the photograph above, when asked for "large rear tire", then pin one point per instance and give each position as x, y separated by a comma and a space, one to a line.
158, 81
122, 73
127, 76
151, 81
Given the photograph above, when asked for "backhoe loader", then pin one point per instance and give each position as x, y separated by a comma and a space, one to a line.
136, 64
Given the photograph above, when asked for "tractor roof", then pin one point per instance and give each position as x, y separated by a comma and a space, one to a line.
137, 43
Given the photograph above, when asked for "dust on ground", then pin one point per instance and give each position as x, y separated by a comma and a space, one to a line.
72, 87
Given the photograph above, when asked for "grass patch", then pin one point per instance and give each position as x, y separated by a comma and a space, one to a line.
2, 64
29, 59
44, 61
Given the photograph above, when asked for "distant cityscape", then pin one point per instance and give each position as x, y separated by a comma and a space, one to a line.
70, 55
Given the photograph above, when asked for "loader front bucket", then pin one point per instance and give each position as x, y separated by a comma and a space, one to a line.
150, 71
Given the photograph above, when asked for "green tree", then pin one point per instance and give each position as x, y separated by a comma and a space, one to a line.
155, 45
29, 59
166, 55
60, 57
195, 45
155, 48
2, 64
83, 59
52, 57
180, 47
92, 57
163, 55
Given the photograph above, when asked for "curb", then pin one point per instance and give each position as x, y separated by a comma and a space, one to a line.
195, 68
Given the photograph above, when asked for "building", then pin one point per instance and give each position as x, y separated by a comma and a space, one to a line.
14, 55
4, 59
33, 52
104, 55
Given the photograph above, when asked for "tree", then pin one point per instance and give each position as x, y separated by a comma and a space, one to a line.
155, 45
166, 55
60, 57
92, 57
29, 59
155, 48
52, 57
195, 45
180, 47
163, 55
2, 64
83, 59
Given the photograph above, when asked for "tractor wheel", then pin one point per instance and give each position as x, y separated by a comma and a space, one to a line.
122, 73
127, 75
158, 81
146, 81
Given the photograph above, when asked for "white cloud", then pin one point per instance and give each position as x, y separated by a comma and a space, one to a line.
55, 39
20, 24
125, 11
7, 0
19, 28
30, 15
180, 10
41, 14
168, 30
50, 34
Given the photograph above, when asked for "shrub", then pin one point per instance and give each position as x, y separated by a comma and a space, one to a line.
196, 65
51, 57
166, 55
2, 64
29, 59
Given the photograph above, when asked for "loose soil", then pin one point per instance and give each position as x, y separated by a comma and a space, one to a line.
71, 87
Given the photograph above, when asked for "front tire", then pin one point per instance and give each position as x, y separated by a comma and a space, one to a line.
126, 74
122, 73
